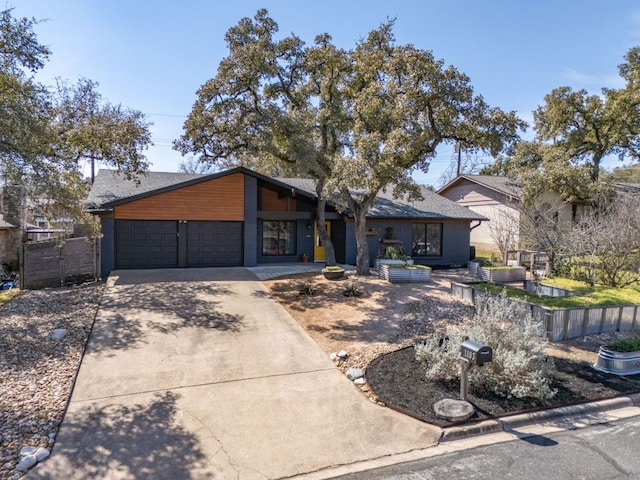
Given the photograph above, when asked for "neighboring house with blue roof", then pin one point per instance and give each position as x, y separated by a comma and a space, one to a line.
239, 217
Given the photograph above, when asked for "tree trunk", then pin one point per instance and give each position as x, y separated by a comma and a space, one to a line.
329, 251
362, 257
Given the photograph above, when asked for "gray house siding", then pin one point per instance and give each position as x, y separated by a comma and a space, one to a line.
250, 221
108, 247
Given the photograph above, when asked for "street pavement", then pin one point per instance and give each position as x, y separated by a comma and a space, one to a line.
604, 451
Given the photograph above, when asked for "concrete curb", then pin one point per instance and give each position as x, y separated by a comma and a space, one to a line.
507, 423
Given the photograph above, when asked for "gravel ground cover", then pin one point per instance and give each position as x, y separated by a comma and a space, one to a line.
37, 371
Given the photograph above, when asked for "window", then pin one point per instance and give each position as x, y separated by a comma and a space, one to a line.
426, 240
278, 238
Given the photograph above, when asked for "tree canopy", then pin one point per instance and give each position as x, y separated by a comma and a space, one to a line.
357, 121
46, 132
575, 132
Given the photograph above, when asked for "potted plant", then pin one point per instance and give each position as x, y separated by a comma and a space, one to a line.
620, 357
305, 257
333, 272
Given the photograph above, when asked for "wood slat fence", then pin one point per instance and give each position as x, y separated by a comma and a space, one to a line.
47, 264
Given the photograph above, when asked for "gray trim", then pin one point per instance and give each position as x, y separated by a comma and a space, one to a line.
250, 221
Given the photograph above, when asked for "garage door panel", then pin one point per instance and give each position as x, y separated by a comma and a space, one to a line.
214, 244
146, 244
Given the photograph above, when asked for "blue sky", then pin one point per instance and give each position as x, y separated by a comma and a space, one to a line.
153, 55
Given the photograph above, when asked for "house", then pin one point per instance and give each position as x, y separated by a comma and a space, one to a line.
498, 199
242, 218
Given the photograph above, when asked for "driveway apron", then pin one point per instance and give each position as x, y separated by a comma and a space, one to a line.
200, 374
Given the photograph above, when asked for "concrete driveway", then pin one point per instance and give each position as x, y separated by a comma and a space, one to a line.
200, 374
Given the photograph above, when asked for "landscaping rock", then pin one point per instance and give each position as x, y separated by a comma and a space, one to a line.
28, 451
26, 463
342, 355
58, 334
333, 356
42, 453
354, 373
453, 410
360, 381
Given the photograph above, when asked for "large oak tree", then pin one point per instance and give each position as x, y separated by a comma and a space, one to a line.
357, 121
47, 133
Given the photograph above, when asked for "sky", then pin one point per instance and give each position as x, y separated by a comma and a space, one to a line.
153, 55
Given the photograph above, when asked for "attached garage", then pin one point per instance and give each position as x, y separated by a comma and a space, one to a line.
171, 244
213, 244
146, 244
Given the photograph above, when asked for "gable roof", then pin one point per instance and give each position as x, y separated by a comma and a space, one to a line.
385, 206
111, 189
499, 184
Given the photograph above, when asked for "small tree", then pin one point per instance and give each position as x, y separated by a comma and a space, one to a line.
519, 367
605, 245
503, 228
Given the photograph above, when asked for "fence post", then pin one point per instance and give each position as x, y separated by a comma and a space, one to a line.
22, 258
620, 309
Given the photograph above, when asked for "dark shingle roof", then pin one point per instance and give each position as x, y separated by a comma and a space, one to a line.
499, 184
432, 206
110, 188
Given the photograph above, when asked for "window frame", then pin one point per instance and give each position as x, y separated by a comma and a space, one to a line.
424, 239
293, 240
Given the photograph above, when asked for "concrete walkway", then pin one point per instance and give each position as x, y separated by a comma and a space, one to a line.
200, 374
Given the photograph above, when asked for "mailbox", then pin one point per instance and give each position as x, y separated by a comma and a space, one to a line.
475, 352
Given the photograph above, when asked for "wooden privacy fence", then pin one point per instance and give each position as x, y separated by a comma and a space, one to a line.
47, 264
566, 323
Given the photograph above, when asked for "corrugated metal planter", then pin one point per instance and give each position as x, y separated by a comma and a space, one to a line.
502, 275
390, 261
473, 268
617, 363
410, 273
547, 290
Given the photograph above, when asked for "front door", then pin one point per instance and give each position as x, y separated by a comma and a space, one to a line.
318, 249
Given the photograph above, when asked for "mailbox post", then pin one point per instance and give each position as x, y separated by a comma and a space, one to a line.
471, 353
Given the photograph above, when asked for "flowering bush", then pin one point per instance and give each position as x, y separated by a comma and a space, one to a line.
519, 367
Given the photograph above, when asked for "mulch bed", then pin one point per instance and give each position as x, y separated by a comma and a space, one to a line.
398, 380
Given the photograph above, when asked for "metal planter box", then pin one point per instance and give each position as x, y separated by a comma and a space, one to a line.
617, 363
502, 275
389, 261
409, 274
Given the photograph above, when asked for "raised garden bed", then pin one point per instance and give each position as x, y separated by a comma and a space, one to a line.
502, 274
566, 323
405, 273
546, 290
391, 261
617, 363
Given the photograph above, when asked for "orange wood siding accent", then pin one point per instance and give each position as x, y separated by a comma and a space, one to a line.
218, 199
271, 202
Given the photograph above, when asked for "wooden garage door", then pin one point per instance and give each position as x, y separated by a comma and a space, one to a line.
214, 244
146, 244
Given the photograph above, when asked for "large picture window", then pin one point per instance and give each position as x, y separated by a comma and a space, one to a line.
278, 238
426, 240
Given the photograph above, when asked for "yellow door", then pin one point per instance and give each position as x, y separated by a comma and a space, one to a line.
318, 249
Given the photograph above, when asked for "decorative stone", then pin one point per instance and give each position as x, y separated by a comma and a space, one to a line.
26, 463
333, 356
453, 410
360, 381
58, 334
354, 373
8, 466
42, 453
342, 354
27, 451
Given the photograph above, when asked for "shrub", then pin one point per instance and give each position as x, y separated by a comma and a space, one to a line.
631, 344
352, 291
519, 368
305, 289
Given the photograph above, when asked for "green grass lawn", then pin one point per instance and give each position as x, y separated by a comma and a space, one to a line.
600, 296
